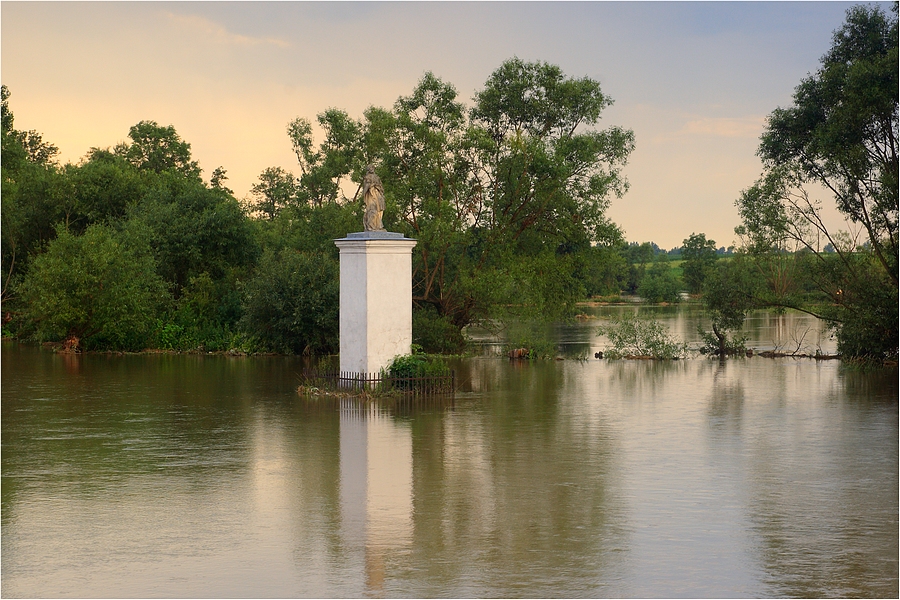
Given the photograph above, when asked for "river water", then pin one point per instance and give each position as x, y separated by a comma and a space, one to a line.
199, 476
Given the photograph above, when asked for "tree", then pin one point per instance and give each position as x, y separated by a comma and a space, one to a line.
505, 199
637, 256
99, 290
731, 289
291, 303
841, 134
157, 148
605, 270
33, 197
192, 229
699, 255
659, 284
323, 170
276, 189
217, 179
103, 187
501, 194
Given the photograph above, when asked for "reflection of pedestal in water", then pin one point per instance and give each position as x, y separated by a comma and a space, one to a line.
376, 485
376, 299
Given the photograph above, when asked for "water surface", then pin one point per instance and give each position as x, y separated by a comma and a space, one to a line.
207, 476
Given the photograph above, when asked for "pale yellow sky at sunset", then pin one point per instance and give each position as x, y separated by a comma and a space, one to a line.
694, 81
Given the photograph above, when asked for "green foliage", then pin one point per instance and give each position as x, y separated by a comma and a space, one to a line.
418, 365
604, 271
103, 188
436, 333
638, 256
310, 229
660, 284
699, 256
733, 345
501, 198
33, 198
863, 310
100, 288
531, 339
193, 229
157, 148
841, 133
323, 170
732, 289
507, 202
276, 190
204, 317
291, 303
632, 336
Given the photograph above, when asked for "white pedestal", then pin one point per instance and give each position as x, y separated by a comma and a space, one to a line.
376, 299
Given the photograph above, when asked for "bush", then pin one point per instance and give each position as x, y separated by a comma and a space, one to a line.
531, 340
659, 284
635, 337
100, 290
436, 333
868, 326
291, 303
205, 316
417, 365
736, 345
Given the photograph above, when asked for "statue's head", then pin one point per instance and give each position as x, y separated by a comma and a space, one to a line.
370, 169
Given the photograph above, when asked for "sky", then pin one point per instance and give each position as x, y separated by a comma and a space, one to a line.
693, 80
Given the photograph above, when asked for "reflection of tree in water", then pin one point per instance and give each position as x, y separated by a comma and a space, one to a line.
640, 380
865, 386
788, 331
117, 417
824, 494
726, 402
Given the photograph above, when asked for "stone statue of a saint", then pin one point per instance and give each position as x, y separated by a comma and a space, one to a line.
373, 196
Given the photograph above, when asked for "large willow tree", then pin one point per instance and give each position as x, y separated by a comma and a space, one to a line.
840, 135
503, 196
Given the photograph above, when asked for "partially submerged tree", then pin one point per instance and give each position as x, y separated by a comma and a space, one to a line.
731, 290
633, 337
841, 134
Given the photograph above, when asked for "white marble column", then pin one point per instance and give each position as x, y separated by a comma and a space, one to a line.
376, 299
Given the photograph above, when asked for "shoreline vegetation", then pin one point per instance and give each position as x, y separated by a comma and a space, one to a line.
507, 350
132, 248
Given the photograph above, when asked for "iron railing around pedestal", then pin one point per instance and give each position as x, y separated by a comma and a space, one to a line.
380, 382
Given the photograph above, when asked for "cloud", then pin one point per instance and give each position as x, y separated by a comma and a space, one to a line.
219, 34
749, 127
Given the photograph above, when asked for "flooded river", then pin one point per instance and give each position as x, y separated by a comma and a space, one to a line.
198, 476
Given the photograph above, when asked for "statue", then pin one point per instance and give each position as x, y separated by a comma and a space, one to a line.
373, 196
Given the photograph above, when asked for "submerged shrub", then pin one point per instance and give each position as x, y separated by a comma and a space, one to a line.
735, 345
634, 337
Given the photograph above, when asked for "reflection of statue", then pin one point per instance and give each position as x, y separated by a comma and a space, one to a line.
373, 196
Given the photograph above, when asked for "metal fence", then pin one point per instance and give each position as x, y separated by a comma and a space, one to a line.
378, 382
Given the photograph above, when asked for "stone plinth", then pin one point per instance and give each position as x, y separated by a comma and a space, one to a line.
376, 299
